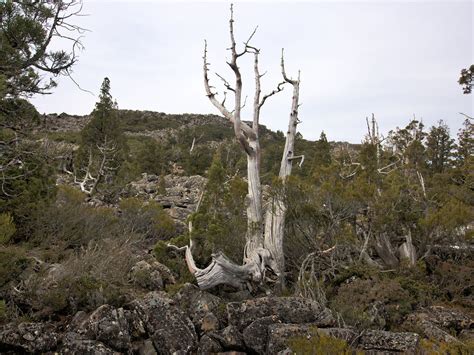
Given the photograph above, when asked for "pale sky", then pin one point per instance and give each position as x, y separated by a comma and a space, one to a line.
392, 58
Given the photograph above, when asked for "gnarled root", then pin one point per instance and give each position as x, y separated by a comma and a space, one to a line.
221, 270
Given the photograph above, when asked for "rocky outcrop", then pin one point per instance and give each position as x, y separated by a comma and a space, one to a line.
195, 321
151, 275
279, 336
107, 325
179, 195
287, 309
440, 323
204, 309
167, 326
379, 340
28, 337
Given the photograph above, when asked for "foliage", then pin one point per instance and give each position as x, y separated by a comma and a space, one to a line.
219, 224
7, 228
27, 32
174, 260
319, 343
368, 298
440, 147
103, 146
430, 346
147, 218
12, 263
466, 78
71, 224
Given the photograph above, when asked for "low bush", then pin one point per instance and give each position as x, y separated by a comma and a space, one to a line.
7, 228
146, 218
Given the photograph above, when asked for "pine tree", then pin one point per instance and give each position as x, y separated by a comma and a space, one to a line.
322, 151
439, 147
465, 149
103, 145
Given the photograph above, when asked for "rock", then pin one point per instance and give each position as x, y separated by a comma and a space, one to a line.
207, 345
146, 276
209, 323
371, 340
28, 337
279, 334
380, 340
230, 338
256, 334
145, 348
288, 310
180, 197
438, 322
168, 326
74, 344
107, 325
203, 308
450, 318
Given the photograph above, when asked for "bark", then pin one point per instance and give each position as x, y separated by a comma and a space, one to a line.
260, 251
385, 251
407, 250
276, 209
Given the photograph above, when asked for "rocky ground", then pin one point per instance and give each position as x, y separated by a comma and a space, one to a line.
194, 321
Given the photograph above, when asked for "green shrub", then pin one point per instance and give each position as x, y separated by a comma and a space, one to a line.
429, 346
146, 218
70, 224
13, 262
174, 260
7, 228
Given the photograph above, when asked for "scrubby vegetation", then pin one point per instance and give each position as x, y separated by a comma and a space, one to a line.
375, 231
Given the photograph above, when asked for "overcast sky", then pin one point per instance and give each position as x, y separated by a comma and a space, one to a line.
392, 58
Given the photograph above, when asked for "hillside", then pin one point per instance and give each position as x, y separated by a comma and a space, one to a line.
93, 267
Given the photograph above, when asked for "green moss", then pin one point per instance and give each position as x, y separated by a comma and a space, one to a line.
319, 343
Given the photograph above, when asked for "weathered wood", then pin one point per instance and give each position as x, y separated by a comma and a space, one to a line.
276, 209
264, 247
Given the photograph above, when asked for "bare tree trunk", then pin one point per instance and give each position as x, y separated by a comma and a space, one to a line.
385, 250
261, 251
407, 250
276, 209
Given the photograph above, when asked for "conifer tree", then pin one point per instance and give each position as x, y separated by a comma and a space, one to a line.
439, 147
322, 152
103, 146
465, 150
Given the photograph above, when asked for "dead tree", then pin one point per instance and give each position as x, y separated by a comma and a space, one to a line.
276, 209
264, 239
99, 166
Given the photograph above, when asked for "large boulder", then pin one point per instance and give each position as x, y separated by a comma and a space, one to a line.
74, 343
379, 340
151, 275
287, 309
28, 337
204, 309
256, 334
439, 323
280, 334
167, 326
179, 195
107, 325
